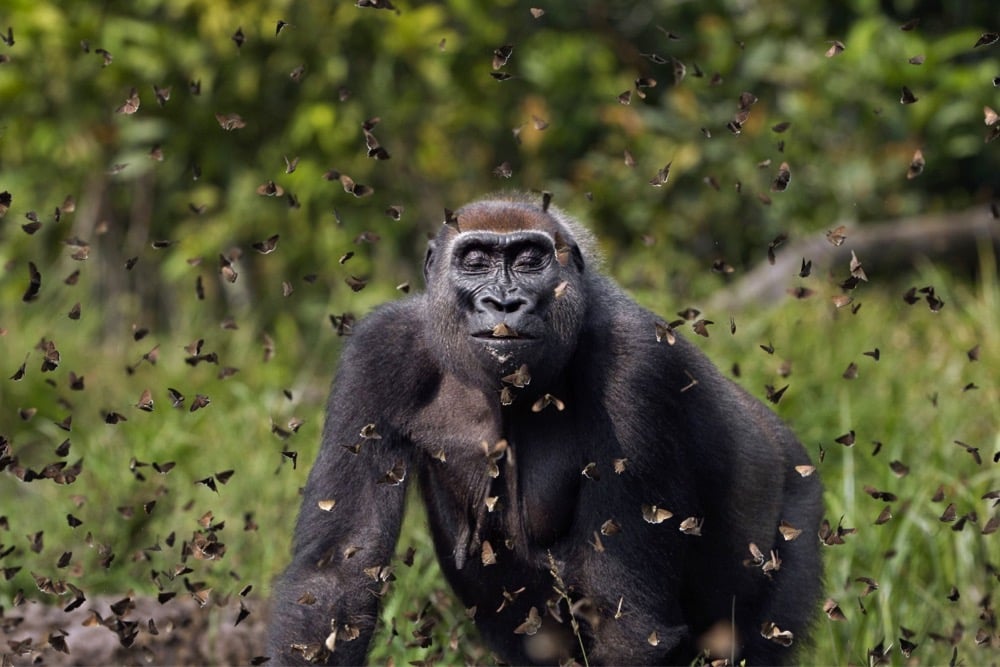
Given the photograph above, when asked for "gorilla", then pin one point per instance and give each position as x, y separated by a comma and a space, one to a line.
596, 490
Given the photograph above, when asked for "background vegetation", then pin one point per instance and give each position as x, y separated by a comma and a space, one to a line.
139, 218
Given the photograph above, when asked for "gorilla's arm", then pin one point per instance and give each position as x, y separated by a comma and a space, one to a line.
700, 446
326, 604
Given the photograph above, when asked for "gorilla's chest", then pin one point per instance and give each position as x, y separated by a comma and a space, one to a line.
506, 475
540, 484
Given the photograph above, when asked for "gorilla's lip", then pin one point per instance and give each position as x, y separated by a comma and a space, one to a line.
488, 335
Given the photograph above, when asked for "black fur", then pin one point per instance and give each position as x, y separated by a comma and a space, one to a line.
692, 443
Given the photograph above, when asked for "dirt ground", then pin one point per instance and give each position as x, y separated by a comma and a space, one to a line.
179, 632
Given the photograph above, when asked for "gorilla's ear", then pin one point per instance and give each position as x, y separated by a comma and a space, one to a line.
429, 261
566, 250
578, 258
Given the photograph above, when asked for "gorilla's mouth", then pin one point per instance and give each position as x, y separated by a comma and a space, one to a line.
502, 330
494, 338
500, 333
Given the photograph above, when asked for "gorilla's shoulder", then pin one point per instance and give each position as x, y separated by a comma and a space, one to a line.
393, 318
391, 332
387, 349
627, 334
616, 315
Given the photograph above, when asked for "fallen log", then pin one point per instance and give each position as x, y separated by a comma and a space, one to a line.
886, 249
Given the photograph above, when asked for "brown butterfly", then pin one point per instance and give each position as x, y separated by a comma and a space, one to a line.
899, 469
34, 283
833, 611
356, 189
356, 284
756, 555
267, 246
665, 332
501, 55
226, 269
199, 401
488, 555
501, 330
655, 515
661, 176
985, 39
145, 401
131, 104
18, 376
880, 495
780, 183
916, 165
788, 531
531, 625
547, 400
774, 395
394, 476
692, 525
270, 189
836, 48
51, 358
230, 121
105, 56
162, 94
777, 635
974, 451
375, 150
519, 378
837, 236
701, 327
114, 418
847, 439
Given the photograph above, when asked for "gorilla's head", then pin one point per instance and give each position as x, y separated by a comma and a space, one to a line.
506, 288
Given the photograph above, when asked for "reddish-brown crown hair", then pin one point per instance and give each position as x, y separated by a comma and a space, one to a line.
504, 217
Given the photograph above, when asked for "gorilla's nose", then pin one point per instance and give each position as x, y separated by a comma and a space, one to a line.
497, 303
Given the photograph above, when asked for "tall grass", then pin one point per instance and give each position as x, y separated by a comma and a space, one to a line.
923, 394
915, 401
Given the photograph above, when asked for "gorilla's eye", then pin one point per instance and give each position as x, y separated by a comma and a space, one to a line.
476, 261
531, 260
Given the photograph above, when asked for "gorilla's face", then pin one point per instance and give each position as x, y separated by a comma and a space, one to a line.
506, 291
505, 285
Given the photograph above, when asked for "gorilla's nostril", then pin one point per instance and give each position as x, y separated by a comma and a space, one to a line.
502, 304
